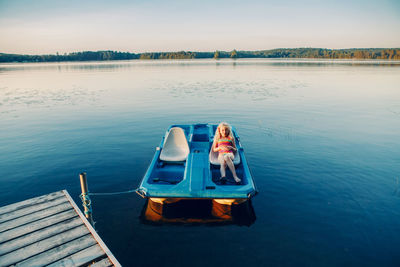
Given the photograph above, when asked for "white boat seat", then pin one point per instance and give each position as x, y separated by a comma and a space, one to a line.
214, 158
175, 146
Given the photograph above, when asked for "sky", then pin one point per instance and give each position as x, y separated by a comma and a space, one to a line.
50, 26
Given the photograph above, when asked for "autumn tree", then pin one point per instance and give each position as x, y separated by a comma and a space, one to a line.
234, 54
216, 55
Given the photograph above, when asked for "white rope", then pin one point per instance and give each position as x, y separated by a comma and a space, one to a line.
112, 193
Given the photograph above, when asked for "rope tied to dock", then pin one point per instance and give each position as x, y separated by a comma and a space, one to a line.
86, 202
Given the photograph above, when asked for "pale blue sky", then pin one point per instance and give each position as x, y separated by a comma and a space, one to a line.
50, 26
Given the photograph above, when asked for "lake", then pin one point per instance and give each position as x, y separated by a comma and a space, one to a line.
322, 139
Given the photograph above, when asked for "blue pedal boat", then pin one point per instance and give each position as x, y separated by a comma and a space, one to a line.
185, 167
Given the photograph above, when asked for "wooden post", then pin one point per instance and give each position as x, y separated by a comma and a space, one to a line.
87, 205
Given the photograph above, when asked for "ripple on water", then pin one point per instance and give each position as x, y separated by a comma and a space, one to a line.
324, 151
255, 90
15, 98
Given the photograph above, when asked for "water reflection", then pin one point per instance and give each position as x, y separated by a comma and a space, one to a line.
196, 212
128, 64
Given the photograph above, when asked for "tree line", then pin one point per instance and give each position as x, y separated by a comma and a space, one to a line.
76, 56
352, 53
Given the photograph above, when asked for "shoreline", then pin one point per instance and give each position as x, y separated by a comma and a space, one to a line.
281, 53
216, 61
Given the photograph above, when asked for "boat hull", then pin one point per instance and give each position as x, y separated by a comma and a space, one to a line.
198, 211
222, 201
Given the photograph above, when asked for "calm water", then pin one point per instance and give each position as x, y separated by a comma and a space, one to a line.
322, 140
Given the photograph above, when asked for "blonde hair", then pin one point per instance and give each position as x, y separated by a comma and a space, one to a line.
226, 125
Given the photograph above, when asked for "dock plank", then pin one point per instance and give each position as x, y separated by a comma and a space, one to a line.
83, 257
31, 209
36, 225
50, 229
34, 216
41, 246
93, 231
103, 263
37, 236
60, 252
31, 202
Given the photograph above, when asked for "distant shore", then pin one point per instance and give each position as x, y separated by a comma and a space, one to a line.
352, 53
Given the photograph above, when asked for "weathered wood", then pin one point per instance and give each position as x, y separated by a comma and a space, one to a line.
37, 236
84, 257
60, 252
36, 225
34, 216
31, 209
84, 185
31, 202
50, 229
103, 263
41, 246
93, 231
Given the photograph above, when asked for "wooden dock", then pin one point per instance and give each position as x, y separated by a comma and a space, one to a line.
50, 230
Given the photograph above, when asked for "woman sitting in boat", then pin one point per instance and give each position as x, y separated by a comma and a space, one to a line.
224, 144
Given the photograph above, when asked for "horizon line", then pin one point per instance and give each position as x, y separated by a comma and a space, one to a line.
213, 51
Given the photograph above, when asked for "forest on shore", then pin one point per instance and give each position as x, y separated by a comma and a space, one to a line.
321, 53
